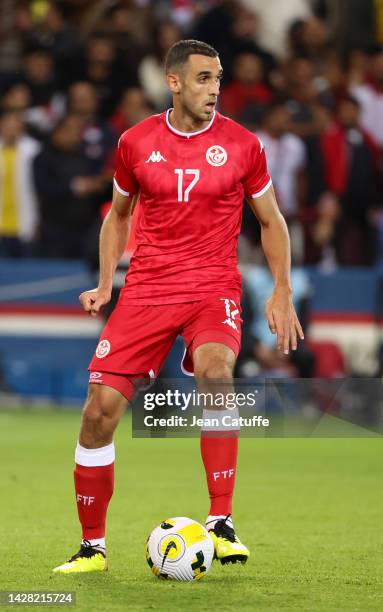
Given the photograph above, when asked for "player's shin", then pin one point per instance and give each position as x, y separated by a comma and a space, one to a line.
219, 450
94, 482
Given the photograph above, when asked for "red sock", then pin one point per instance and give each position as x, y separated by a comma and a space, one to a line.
94, 480
219, 454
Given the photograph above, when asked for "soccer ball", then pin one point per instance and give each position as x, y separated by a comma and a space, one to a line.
179, 549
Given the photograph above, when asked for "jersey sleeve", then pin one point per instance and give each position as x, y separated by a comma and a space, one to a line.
257, 178
124, 179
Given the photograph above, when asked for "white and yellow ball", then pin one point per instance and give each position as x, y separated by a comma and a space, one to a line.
180, 549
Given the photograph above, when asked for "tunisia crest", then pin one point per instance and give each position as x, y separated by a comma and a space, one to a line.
216, 155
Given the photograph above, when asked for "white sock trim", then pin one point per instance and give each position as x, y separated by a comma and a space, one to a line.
212, 519
98, 543
213, 420
93, 457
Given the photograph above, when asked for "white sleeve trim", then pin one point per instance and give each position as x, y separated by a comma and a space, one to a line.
117, 186
260, 193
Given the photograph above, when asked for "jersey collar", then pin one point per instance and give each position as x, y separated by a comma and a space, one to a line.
187, 134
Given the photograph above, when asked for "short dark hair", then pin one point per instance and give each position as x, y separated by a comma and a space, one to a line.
351, 99
179, 53
10, 112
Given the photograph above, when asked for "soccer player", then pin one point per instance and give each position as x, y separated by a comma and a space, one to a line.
192, 168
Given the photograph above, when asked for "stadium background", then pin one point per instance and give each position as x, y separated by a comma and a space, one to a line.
308, 76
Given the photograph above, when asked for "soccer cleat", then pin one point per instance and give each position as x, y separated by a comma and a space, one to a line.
228, 547
87, 559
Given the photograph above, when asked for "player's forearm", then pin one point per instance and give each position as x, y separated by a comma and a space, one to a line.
113, 240
276, 246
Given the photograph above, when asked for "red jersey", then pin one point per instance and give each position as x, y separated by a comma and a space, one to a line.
191, 189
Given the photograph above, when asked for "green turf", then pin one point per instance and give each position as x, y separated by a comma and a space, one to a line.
310, 510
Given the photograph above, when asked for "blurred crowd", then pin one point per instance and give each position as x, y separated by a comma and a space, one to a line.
75, 74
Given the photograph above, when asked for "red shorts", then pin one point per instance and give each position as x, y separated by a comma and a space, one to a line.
137, 339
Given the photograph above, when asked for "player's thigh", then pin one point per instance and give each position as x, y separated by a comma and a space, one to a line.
213, 337
134, 342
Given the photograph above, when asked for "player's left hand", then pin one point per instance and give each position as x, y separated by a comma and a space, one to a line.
283, 320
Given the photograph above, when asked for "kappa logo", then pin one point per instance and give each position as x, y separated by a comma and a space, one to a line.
155, 156
216, 155
230, 313
103, 349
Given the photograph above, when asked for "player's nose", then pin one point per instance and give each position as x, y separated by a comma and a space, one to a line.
214, 90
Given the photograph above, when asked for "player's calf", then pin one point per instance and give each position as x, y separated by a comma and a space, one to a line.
94, 477
101, 415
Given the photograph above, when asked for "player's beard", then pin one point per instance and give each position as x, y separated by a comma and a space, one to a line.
199, 114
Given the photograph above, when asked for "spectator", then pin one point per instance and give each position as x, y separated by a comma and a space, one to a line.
331, 84
38, 72
123, 28
18, 207
295, 38
58, 36
370, 97
184, 11
66, 188
151, 69
233, 29
302, 96
322, 232
357, 63
247, 95
349, 155
275, 17
134, 107
98, 139
244, 39
46, 102
17, 97
101, 68
286, 158
309, 38
16, 25
257, 282
214, 27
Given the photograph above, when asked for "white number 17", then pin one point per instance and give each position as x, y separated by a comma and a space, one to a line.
183, 196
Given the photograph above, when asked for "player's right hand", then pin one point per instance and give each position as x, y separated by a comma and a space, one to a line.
93, 300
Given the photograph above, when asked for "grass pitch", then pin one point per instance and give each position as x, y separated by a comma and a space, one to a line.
310, 510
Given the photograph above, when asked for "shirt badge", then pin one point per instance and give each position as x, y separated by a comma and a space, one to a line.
216, 155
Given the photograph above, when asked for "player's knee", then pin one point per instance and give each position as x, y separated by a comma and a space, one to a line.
93, 415
215, 369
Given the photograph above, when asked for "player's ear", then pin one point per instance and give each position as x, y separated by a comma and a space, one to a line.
173, 82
